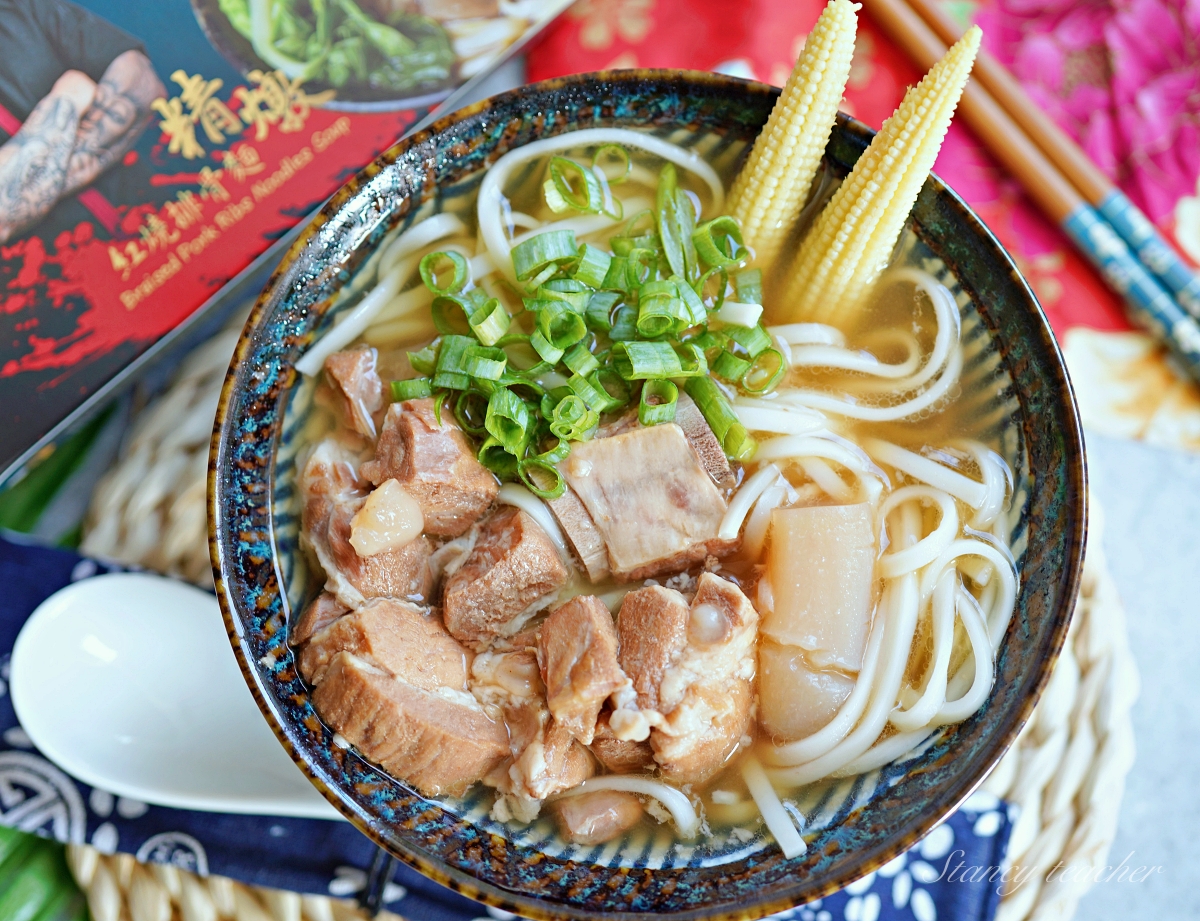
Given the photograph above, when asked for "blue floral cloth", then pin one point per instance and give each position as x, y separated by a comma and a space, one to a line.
332, 858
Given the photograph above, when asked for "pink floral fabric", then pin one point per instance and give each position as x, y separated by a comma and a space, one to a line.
1122, 77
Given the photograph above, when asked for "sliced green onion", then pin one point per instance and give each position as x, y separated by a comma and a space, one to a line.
661, 311
572, 418
548, 351
576, 186
452, 312
508, 420
614, 385
668, 225
754, 339
424, 360
551, 248
593, 266
470, 409
712, 286
685, 215
695, 306
558, 453
437, 407
642, 265
580, 359
522, 357
558, 323
658, 402
599, 309
490, 322
719, 241
622, 156
498, 459
617, 276
542, 479
542, 277
452, 363
435, 264
655, 360
624, 324
748, 284
736, 442
729, 367
570, 292
767, 371
485, 363
413, 389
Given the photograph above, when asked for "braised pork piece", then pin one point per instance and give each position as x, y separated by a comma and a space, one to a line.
456, 642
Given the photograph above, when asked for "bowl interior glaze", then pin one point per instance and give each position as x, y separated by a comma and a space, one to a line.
1013, 369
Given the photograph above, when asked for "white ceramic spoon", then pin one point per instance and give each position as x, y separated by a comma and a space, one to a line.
127, 682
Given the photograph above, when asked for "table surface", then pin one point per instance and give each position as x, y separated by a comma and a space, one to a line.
1150, 499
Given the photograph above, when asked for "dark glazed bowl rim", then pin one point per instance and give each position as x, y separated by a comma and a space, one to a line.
241, 486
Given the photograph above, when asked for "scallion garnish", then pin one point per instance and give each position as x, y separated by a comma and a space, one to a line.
413, 389
658, 402
437, 264
669, 304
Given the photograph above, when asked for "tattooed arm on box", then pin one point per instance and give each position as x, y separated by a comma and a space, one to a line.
75, 132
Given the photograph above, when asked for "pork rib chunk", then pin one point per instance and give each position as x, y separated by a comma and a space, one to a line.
693, 666
356, 385
400, 573
655, 507
435, 465
395, 636
320, 613
441, 744
510, 570
577, 652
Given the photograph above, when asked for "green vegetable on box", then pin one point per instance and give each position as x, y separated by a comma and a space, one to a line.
334, 41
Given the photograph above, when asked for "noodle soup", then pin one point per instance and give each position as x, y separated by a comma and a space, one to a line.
696, 562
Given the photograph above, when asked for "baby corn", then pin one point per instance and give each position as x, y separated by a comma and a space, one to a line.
854, 236
771, 188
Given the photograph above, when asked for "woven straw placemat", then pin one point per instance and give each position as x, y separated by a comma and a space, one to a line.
1066, 773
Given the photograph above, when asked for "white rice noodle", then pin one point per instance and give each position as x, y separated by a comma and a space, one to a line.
809, 334
352, 326
1005, 597
899, 605
776, 817
945, 357
825, 477
996, 479
972, 492
687, 823
980, 662
736, 313
885, 752
852, 409
491, 192
522, 498
937, 675
581, 224
433, 228
827, 356
759, 522
743, 500
521, 219
404, 331
909, 559
760, 416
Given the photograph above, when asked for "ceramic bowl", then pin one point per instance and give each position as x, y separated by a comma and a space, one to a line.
854, 825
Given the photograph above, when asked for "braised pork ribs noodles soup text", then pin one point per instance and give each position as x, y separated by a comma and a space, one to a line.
645, 487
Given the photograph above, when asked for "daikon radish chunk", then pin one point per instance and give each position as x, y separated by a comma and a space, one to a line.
821, 568
794, 699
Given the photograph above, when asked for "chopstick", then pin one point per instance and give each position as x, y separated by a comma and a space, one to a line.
1148, 302
1123, 215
